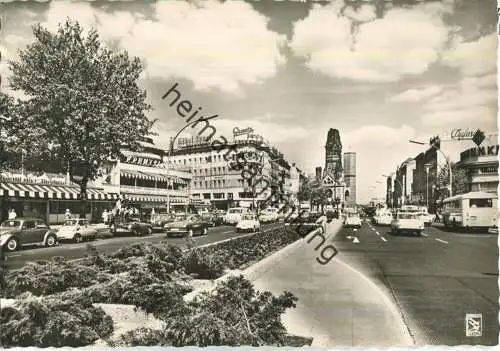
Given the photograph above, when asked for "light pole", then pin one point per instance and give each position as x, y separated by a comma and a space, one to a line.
427, 166
447, 162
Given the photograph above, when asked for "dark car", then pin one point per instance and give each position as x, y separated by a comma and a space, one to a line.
305, 222
212, 218
187, 225
130, 224
26, 231
158, 220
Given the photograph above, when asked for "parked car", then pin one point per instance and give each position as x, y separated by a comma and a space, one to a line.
426, 217
248, 222
132, 224
407, 222
234, 215
158, 220
212, 218
352, 220
26, 231
187, 225
77, 230
268, 215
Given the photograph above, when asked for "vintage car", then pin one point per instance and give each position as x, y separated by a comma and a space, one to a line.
234, 214
352, 220
77, 230
26, 231
158, 220
268, 215
426, 217
383, 218
248, 222
187, 225
407, 222
212, 218
130, 224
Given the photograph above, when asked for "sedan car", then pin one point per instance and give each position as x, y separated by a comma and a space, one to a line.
352, 220
248, 222
408, 222
212, 218
187, 225
158, 220
77, 230
26, 231
132, 225
383, 218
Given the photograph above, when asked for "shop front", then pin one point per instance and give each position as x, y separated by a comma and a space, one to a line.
50, 202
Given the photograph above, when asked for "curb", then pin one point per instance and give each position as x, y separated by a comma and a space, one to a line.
254, 271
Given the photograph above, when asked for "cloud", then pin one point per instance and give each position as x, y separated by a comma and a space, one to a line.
482, 115
376, 51
474, 58
416, 95
212, 44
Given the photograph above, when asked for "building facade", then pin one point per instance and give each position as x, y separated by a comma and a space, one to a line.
350, 177
217, 180
481, 165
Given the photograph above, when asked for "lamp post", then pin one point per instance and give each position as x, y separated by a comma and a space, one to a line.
427, 166
447, 162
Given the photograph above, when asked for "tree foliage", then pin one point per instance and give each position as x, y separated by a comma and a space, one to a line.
459, 178
84, 103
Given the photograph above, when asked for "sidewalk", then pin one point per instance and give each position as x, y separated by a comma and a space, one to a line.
337, 305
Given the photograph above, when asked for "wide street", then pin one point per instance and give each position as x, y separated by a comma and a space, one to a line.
106, 245
435, 279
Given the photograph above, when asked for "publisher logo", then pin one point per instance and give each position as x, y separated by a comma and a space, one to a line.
473, 324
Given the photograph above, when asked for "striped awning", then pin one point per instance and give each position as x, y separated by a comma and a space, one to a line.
44, 191
154, 198
152, 176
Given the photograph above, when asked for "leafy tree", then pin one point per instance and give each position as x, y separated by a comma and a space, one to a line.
84, 103
459, 178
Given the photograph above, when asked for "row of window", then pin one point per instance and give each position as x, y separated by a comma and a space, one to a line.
210, 171
199, 160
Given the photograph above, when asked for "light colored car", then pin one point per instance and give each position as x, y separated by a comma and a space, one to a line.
408, 222
77, 230
383, 218
233, 215
426, 217
248, 222
269, 215
352, 220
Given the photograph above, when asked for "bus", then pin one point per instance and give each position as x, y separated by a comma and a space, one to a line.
471, 210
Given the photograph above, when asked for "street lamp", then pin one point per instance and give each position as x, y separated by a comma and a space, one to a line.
427, 166
447, 162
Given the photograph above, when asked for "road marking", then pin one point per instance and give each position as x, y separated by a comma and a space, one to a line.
442, 241
13, 256
425, 235
377, 233
384, 239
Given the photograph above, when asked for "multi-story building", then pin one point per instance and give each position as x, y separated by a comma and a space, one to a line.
350, 176
144, 181
217, 181
481, 164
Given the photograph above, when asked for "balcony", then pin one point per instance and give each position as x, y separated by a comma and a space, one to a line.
127, 189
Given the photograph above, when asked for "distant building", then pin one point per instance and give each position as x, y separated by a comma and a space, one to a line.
319, 174
481, 164
350, 177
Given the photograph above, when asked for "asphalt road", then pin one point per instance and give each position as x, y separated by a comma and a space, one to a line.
435, 279
107, 245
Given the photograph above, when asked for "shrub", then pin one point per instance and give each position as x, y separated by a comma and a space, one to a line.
49, 277
46, 323
202, 265
142, 337
233, 314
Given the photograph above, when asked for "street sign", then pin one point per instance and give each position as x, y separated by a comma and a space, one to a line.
478, 137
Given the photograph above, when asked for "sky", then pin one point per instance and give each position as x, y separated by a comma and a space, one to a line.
380, 72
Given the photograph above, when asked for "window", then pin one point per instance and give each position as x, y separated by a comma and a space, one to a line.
474, 203
29, 225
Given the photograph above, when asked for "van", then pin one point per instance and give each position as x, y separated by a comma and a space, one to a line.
233, 215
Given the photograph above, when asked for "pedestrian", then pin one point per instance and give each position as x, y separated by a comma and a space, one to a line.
105, 216
322, 220
12, 214
67, 215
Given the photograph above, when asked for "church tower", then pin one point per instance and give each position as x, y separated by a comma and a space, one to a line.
333, 155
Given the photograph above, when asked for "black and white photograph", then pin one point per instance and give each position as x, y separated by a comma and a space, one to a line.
249, 173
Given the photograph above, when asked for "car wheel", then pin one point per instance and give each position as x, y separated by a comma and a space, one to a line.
77, 238
51, 240
11, 244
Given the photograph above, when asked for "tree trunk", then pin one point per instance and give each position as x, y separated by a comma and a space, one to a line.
83, 197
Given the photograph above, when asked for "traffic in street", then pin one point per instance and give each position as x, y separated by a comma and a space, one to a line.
107, 244
435, 278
